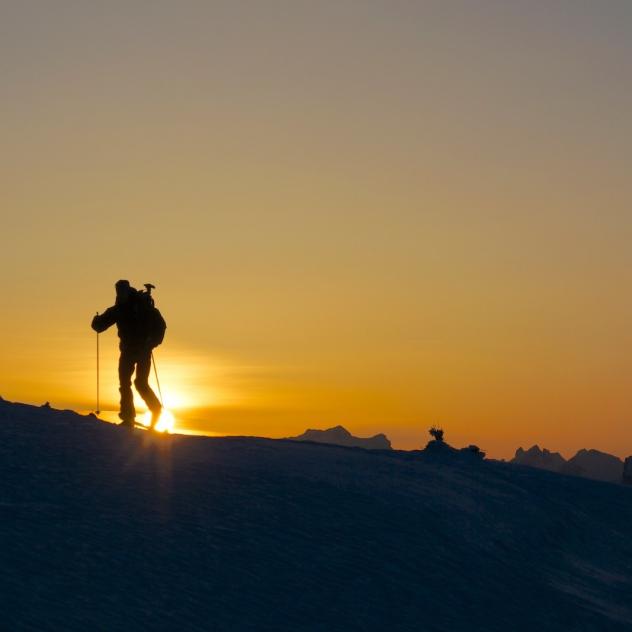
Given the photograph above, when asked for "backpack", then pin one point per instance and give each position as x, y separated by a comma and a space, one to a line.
149, 316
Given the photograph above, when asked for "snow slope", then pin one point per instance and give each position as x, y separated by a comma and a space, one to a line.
103, 530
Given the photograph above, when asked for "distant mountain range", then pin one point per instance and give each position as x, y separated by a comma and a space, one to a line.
341, 436
588, 463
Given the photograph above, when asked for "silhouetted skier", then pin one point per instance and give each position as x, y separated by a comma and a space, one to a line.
141, 327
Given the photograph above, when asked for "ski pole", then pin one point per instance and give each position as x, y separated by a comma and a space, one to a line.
97, 410
157, 380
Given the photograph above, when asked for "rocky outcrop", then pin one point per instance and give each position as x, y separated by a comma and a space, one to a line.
341, 436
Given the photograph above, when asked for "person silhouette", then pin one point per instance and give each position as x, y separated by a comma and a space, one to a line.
141, 328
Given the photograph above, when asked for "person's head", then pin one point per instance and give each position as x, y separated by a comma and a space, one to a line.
123, 291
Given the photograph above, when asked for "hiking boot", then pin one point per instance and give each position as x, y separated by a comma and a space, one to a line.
127, 423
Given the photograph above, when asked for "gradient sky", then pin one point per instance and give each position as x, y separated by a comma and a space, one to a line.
377, 214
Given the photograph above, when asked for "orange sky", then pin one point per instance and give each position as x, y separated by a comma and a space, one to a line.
381, 215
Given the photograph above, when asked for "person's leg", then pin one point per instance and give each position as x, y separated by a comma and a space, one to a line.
141, 383
126, 370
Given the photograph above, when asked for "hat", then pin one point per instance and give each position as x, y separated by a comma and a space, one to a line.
122, 285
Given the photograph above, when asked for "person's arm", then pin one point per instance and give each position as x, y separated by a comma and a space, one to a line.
102, 321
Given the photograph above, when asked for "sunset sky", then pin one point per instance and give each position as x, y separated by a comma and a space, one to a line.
384, 215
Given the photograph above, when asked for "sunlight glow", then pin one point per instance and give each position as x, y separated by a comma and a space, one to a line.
166, 423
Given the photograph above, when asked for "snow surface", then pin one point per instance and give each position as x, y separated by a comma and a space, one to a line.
102, 529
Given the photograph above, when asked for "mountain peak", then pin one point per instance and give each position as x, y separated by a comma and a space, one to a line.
541, 458
339, 435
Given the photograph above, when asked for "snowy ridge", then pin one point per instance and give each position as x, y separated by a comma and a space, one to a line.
103, 530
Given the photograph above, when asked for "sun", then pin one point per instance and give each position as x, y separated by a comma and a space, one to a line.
166, 423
